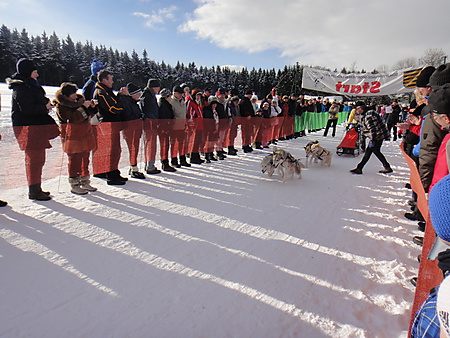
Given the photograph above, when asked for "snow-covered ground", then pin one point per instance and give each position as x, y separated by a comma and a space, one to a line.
217, 250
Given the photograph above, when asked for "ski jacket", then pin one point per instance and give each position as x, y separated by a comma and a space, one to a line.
246, 107
109, 105
28, 102
165, 109
149, 104
131, 109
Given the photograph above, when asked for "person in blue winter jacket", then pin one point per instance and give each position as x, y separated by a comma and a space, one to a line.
89, 86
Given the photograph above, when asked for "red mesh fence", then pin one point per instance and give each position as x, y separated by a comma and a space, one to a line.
430, 275
35, 153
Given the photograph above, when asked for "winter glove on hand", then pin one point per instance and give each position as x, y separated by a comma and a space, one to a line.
371, 145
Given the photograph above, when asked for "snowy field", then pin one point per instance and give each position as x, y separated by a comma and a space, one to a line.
217, 250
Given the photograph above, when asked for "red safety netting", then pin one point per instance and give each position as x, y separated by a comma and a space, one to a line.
429, 275
35, 153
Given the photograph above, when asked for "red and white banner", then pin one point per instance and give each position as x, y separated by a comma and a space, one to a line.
354, 84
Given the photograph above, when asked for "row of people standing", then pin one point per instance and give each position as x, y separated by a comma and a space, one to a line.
184, 122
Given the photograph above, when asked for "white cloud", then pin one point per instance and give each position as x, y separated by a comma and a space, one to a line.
330, 33
157, 18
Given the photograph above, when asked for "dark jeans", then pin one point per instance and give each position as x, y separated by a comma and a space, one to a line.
329, 124
394, 129
376, 149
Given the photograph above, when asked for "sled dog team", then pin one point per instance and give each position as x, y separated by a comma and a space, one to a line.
286, 165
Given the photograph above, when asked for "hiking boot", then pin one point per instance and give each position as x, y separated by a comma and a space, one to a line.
418, 240
75, 185
85, 183
356, 171
151, 169
134, 173
414, 216
386, 171
3, 203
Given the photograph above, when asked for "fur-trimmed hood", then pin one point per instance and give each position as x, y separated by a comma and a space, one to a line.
61, 99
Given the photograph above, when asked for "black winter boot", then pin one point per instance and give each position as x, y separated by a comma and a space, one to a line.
166, 166
221, 155
35, 193
175, 163
183, 161
232, 150
195, 158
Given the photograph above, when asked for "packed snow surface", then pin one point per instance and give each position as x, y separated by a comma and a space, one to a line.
215, 250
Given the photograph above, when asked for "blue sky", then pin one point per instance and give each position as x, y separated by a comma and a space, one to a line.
250, 33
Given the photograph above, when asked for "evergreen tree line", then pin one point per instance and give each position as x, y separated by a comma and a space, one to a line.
65, 60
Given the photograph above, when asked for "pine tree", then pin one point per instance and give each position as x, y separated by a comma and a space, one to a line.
7, 60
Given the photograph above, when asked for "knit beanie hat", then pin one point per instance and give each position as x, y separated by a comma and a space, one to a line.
440, 76
25, 67
68, 88
96, 66
423, 80
133, 89
439, 206
152, 83
439, 100
165, 93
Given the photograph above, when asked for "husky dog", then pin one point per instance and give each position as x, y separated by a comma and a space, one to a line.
310, 157
267, 165
285, 163
321, 154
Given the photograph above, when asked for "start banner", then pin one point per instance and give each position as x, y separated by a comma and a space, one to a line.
354, 84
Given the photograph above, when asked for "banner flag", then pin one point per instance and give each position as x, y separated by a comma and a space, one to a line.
410, 77
354, 84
